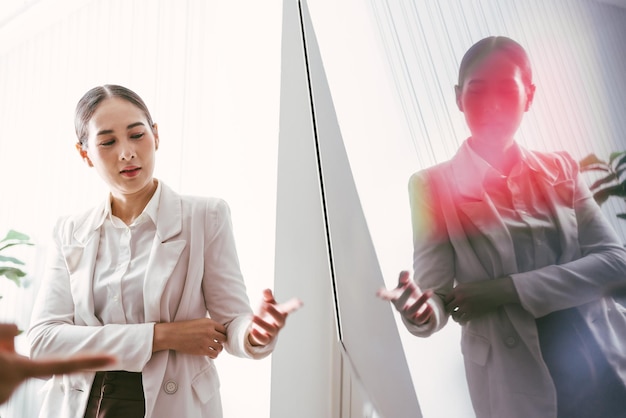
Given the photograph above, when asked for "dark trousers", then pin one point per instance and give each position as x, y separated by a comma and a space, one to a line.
586, 384
116, 394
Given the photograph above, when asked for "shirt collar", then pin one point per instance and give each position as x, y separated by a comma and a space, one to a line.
472, 171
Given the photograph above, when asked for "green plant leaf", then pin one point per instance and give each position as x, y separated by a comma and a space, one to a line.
619, 190
620, 164
591, 163
13, 274
5, 259
604, 180
615, 155
618, 173
591, 159
14, 237
595, 168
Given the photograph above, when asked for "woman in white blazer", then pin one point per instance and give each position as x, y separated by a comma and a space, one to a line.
510, 243
148, 276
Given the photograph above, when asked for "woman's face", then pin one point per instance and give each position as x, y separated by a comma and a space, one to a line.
121, 146
493, 98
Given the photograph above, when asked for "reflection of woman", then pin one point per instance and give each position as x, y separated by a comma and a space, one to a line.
149, 276
511, 244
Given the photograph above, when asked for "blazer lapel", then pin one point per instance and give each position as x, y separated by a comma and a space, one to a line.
80, 257
166, 251
472, 201
559, 193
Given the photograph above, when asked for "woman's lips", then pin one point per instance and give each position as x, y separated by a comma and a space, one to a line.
130, 171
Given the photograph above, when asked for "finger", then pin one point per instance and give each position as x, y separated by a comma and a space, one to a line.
423, 316
219, 328
451, 307
390, 295
8, 331
219, 334
449, 297
216, 346
268, 296
407, 293
290, 306
451, 304
213, 353
461, 318
260, 338
264, 325
459, 315
419, 304
40, 368
272, 315
404, 278
218, 338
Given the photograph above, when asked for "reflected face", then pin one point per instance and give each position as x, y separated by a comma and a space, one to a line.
121, 146
494, 98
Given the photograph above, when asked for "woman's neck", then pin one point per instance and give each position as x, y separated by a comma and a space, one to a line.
501, 155
128, 207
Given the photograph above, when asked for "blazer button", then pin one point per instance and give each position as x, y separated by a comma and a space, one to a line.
510, 341
170, 387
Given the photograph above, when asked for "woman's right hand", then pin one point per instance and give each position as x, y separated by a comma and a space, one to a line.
409, 300
200, 337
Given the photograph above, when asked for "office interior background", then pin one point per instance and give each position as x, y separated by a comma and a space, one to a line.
210, 73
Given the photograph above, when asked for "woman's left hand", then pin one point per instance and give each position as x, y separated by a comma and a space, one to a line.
470, 300
270, 319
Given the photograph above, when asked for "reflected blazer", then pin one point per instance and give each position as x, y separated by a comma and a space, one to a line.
459, 236
193, 270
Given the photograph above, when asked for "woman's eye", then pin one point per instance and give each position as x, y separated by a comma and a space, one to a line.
107, 143
137, 136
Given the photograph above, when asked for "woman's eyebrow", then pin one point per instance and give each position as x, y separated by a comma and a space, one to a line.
110, 131
132, 125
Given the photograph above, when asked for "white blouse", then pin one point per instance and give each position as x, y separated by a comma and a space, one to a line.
121, 263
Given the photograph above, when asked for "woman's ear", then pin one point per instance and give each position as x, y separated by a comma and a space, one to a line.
83, 154
155, 131
458, 91
530, 95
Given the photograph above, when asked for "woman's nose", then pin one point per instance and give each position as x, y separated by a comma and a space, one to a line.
127, 152
492, 103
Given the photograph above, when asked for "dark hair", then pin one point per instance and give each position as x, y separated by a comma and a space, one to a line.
483, 48
90, 101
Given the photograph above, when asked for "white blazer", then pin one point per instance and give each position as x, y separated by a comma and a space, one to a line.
193, 270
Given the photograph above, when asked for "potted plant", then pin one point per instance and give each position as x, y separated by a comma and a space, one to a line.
613, 180
11, 267
611, 183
